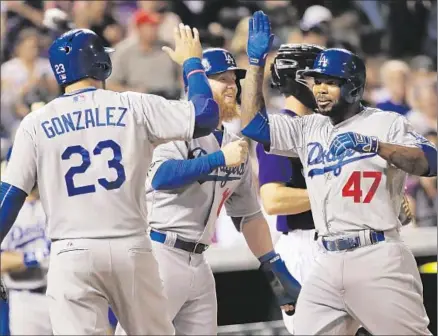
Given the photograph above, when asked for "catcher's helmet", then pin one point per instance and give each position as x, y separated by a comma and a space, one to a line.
78, 54
343, 64
287, 68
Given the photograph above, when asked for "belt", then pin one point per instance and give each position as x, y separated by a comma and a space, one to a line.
353, 241
179, 243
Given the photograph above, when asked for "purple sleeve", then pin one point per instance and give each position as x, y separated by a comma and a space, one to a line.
272, 168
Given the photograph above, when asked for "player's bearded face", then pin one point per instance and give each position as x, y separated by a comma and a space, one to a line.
327, 93
225, 92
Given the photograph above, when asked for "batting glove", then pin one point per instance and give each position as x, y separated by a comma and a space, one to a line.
357, 142
259, 38
285, 287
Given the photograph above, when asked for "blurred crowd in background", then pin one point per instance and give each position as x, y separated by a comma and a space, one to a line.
397, 39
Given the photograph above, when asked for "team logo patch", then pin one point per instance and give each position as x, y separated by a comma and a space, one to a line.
79, 98
229, 59
323, 61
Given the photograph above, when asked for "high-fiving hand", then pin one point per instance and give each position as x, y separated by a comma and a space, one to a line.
259, 38
187, 44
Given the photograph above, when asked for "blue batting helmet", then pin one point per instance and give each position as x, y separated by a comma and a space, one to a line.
78, 54
343, 64
217, 60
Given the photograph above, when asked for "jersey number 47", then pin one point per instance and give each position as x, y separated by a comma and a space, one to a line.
353, 186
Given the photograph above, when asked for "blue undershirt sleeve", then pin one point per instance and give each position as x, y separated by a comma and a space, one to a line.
200, 94
258, 129
173, 174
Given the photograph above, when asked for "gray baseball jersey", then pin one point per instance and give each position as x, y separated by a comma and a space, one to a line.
354, 191
28, 234
192, 211
90, 151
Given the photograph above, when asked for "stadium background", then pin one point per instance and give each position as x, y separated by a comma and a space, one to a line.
398, 40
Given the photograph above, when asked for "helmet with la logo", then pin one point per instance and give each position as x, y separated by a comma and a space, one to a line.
343, 64
217, 60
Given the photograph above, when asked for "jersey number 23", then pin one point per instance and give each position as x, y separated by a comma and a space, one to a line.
114, 163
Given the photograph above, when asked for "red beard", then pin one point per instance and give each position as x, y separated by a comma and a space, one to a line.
227, 110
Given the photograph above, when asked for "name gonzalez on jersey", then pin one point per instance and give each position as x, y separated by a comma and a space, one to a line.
317, 155
83, 119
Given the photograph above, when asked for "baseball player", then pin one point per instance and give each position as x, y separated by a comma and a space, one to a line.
188, 184
355, 161
89, 151
282, 185
24, 262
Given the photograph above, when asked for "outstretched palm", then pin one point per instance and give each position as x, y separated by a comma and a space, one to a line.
259, 38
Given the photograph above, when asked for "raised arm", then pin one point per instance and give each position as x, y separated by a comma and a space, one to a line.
259, 42
188, 53
252, 94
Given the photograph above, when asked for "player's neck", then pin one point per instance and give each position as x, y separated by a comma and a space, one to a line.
82, 84
351, 111
294, 105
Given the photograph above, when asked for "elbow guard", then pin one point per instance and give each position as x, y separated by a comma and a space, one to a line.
431, 157
206, 115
